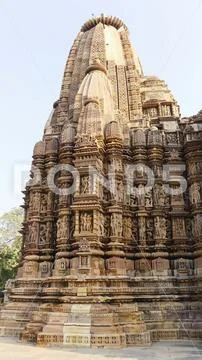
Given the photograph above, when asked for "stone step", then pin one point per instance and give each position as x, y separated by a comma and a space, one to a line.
10, 331
175, 334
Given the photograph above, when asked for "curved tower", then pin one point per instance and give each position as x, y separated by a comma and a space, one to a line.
111, 251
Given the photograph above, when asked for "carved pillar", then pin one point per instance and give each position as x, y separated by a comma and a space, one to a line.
174, 182
115, 263
139, 197
159, 208
31, 228
87, 208
65, 219
46, 225
193, 156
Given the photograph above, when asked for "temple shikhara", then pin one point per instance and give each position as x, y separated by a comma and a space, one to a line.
110, 265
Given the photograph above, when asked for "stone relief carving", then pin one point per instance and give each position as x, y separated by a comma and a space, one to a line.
127, 227
155, 137
84, 184
101, 225
194, 193
134, 230
197, 225
84, 245
126, 197
174, 154
43, 203
142, 230
139, 171
153, 111
35, 201
172, 138
160, 227
32, 232
31, 267
182, 266
178, 198
51, 218
50, 200
160, 265
86, 222
62, 227
149, 229
61, 266
143, 266
119, 191
42, 234
178, 227
116, 225
141, 195
158, 195
189, 228
157, 170
195, 167
107, 226
165, 110
148, 199
44, 268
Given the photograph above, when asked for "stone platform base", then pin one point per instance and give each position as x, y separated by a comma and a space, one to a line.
64, 314
94, 325
97, 325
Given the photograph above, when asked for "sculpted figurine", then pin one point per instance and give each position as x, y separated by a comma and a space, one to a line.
165, 110
193, 168
84, 184
159, 196
197, 225
62, 227
35, 201
101, 225
157, 170
142, 230
86, 222
42, 234
195, 196
116, 225
148, 199
153, 112
32, 234
141, 195
119, 191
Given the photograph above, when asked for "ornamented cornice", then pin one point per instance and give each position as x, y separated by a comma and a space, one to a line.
105, 20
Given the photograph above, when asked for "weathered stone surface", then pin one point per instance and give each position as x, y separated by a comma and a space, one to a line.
116, 261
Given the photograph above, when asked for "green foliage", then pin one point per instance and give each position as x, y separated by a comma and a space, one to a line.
10, 243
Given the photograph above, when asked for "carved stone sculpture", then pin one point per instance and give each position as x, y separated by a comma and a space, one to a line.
120, 265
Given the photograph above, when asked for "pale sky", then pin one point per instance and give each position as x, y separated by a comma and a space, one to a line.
35, 38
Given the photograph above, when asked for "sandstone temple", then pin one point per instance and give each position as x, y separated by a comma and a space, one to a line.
116, 261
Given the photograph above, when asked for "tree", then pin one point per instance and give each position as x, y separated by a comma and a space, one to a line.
10, 243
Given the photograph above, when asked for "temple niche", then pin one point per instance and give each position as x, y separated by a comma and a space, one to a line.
100, 264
